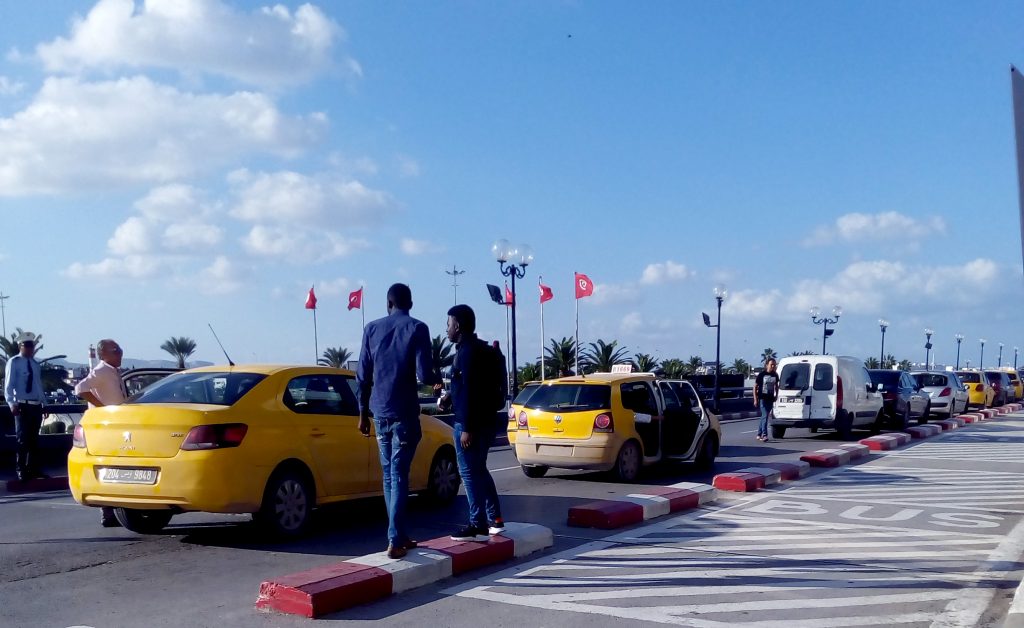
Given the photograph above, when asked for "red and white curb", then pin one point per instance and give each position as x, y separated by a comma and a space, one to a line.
885, 442
924, 431
647, 503
332, 588
756, 478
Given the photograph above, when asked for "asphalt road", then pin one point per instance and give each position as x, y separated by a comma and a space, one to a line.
61, 569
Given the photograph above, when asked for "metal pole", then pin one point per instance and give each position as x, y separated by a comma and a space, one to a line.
718, 356
455, 272
542, 366
981, 362
824, 337
3, 314
881, 358
515, 378
958, 354
1000, 364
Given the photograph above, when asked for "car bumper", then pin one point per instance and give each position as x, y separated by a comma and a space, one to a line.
828, 424
596, 453
207, 481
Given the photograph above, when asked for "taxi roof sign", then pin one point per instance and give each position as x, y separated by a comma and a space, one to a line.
622, 368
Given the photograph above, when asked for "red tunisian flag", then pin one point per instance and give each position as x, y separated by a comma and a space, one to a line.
311, 299
545, 293
355, 299
509, 299
584, 286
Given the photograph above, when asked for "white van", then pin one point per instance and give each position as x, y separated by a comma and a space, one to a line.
825, 391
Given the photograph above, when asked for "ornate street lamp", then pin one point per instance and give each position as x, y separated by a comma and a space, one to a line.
883, 325
826, 321
928, 347
981, 362
720, 293
513, 260
959, 339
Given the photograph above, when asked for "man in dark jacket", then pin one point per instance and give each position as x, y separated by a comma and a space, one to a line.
474, 378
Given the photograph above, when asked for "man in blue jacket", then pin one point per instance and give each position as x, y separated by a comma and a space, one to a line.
395, 351
478, 376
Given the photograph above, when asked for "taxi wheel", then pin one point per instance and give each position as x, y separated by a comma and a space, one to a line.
534, 470
443, 479
627, 464
287, 504
143, 521
706, 456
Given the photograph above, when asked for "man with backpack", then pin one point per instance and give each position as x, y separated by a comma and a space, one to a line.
477, 394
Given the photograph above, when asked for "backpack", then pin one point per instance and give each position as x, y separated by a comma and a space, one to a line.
495, 385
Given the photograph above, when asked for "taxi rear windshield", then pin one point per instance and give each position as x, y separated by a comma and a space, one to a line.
571, 398
970, 378
222, 389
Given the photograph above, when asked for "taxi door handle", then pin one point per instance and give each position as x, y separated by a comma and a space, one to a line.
317, 432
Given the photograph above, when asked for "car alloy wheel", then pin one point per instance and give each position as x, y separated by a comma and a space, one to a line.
627, 464
287, 504
443, 481
143, 521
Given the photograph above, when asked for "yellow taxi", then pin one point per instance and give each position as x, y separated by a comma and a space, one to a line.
515, 407
275, 441
618, 422
980, 394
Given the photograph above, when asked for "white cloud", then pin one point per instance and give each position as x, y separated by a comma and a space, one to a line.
192, 235
410, 246
858, 227
130, 267
752, 304
173, 202
9, 87
132, 236
298, 245
614, 293
221, 277
77, 135
290, 197
268, 46
334, 287
664, 272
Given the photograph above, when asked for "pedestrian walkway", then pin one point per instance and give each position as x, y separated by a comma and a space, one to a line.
909, 538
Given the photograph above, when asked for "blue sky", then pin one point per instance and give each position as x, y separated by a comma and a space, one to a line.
164, 165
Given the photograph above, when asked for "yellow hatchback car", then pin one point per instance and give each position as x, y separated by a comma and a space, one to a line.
980, 394
615, 422
274, 441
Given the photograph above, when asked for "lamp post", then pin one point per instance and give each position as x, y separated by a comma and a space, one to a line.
928, 347
720, 293
1000, 363
826, 321
959, 339
513, 260
981, 362
1015, 358
454, 273
883, 325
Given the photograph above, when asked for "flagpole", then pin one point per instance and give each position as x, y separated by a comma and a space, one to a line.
540, 281
577, 331
362, 309
316, 342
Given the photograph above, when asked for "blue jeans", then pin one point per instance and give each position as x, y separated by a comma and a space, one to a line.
476, 479
397, 440
765, 407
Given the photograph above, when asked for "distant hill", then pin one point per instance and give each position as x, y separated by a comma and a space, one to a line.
134, 363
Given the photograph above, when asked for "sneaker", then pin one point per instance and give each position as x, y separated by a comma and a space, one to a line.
397, 551
471, 533
496, 527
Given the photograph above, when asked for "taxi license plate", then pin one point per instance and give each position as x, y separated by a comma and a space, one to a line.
121, 475
791, 400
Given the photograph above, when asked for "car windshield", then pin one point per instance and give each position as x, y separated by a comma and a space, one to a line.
970, 377
795, 376
930, 379
222, 389
525, 394
571, 397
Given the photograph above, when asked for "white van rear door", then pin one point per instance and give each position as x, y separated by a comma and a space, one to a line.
823, 391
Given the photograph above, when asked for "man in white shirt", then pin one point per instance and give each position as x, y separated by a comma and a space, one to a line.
103, 387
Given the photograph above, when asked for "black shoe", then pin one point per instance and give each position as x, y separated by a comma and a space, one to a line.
41, 476
471, 533
22, 476
397, 551
110, 522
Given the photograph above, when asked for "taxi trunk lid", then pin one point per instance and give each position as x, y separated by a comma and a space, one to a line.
144, 430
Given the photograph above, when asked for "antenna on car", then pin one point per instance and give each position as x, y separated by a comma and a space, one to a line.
221, 346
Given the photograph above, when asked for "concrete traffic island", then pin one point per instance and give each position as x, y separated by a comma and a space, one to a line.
648, 502
332, 588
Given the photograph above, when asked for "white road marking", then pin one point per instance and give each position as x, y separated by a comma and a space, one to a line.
504, 469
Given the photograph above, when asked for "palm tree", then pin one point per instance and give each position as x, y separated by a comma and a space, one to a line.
645, 363
53, 375
889, 361
673, 368
904, 365
560, 357
529, 372
602, 356
804, 352
740, 366
441, 350
694, 363
180, 348
769, 354
872, 363
335, 357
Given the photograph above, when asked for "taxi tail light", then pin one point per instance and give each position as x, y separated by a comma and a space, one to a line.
78, 439
839, 393
603, 423
522, 421
979, 388
889, 396
946, 392
221, 436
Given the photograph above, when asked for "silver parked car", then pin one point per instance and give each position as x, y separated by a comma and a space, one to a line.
947, 393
